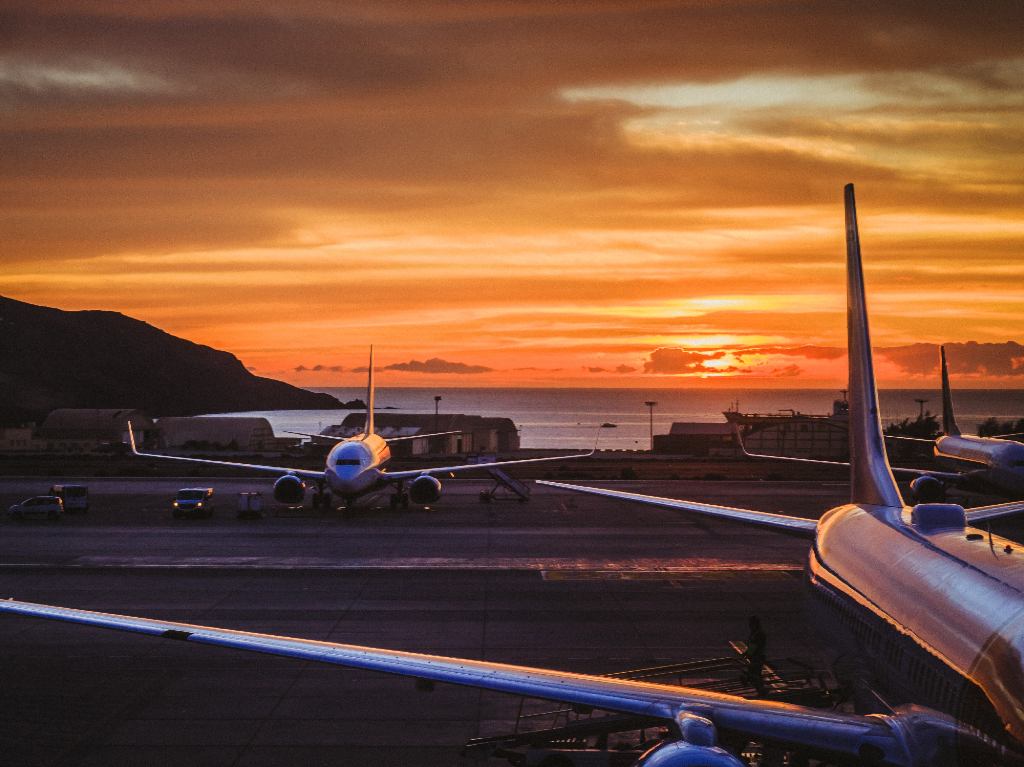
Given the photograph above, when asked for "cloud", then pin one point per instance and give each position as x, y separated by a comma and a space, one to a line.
789, 371
438, 365
319, 369
625, 369
970, 358
675, 361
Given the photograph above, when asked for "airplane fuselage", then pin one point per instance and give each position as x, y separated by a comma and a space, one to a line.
936, 607
356, 466
1001, 461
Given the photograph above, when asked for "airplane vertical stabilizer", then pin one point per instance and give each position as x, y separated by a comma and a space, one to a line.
948, 419
369, 429
871, 480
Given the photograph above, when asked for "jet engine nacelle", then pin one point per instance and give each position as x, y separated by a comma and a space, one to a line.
928, 489
679, 753
425, 489
289, 489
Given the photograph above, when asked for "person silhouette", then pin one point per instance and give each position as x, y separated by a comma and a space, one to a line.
755, 654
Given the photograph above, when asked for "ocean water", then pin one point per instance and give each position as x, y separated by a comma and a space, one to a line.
568, 418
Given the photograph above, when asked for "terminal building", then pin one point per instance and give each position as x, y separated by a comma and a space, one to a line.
236, 433
87, 430
698, 439
468, 433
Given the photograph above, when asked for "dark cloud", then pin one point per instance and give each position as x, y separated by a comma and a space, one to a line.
625, 369
437, 365
319, 368
596, 370
789, 371
673, 360
970, 358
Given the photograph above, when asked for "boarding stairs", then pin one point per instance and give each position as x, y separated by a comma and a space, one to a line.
515, 489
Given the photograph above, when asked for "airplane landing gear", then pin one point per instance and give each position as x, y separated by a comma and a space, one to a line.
321, 497
399, 497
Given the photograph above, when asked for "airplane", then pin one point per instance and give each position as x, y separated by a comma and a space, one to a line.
355, 466
925, 597
998, 464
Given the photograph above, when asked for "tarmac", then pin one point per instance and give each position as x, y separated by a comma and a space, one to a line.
563, 581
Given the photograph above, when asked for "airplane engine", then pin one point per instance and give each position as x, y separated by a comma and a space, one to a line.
289, 489
927, 489
679, 753
696, 748
425, 489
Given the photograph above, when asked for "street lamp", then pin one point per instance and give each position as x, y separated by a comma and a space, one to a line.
437, 403
920, 411
650, 409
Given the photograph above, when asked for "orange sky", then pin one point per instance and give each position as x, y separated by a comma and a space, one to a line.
532, 193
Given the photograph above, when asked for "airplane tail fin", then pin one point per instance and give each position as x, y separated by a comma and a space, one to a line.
871, 480
369, 428
948, 419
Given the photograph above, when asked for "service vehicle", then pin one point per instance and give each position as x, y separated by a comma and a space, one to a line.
194, 502
48, 506
75, 497
250, 505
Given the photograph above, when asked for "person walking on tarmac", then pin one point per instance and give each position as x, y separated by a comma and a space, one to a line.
756, 654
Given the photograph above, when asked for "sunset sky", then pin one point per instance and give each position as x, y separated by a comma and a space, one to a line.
592, 193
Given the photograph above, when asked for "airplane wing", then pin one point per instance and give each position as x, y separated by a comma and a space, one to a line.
304, 473
804, 528
909, 439
413, 473
895, 469
314, 436
995, 511
822, 732
389, 439
422, 436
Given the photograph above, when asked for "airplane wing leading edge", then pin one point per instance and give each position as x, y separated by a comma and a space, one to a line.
821, 731
804, 528
304, 473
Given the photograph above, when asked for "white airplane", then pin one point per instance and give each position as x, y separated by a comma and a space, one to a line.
356, 466
933, 604
995, 464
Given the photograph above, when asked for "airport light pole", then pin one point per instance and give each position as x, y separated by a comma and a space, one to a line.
437, 403
920, 412
650, 409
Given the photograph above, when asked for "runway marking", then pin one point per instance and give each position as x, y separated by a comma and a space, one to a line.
673, 577
552, 568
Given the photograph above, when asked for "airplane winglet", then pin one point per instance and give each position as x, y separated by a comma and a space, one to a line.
131, 439
871, 479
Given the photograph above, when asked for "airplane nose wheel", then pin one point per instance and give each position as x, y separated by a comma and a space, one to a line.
321, 498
